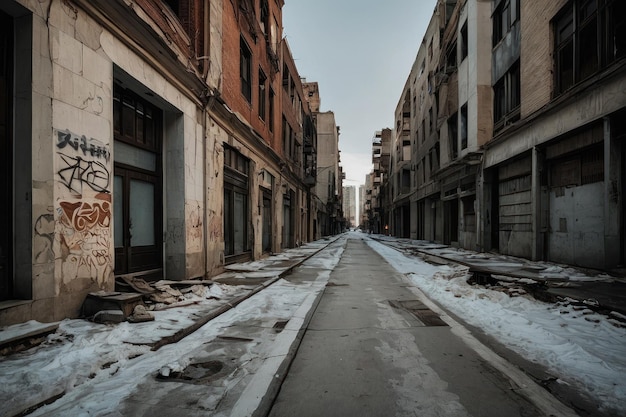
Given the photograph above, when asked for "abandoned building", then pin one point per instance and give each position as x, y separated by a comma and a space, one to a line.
152, 138
509, 133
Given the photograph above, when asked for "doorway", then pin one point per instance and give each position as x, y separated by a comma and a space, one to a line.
6, 156
267, 220
137, 194
451, 221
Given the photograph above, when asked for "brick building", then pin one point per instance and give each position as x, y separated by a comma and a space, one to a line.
144, 139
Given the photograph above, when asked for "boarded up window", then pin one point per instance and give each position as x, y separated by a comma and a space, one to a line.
583, 168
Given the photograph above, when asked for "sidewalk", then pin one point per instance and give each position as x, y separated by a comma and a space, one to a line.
82, 357
544, 280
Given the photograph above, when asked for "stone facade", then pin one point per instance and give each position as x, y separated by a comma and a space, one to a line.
135, 144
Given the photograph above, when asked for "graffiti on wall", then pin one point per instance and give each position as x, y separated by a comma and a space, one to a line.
76, 172
83, 162
83, 217
88, 146
84, 231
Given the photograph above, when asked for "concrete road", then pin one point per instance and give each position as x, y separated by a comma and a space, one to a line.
374, 349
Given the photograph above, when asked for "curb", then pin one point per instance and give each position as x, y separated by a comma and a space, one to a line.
186, 331
266, 403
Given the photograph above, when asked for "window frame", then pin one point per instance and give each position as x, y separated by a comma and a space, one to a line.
236, 181
504, 17
507, 97
245, 69
262, 95
572, 31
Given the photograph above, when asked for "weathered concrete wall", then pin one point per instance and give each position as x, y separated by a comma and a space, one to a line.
577, 225
590, 105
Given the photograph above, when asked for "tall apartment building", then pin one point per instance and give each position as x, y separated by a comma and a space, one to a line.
377, 183
513, 117
362, 209
328, 218
441, 122
156, 139
349, 200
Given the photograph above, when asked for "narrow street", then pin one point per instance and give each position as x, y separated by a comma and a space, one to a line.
354, 325
373, 349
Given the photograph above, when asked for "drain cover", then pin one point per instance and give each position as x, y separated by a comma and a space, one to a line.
419, 310
196, 372
280, 325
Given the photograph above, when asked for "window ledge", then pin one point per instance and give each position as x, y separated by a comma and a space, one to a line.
4, 305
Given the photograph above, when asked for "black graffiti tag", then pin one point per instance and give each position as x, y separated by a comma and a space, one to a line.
91, 146
78, 172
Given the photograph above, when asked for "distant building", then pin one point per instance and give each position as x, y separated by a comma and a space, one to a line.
362, 211
328, 189
349, 205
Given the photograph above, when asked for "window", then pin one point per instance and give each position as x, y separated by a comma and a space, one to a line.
286, 77
431, 121
265, 18
271, 111
506, 97
504, 17
430, 49
236, 171
464, 126
290, 146
245, 70
451, 59
464, 42
589, 35
262, 94
453, 136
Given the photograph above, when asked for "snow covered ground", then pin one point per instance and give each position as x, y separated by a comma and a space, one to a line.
92, 368
89, 368
580, 347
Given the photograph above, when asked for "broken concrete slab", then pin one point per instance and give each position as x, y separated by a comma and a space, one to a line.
126, 302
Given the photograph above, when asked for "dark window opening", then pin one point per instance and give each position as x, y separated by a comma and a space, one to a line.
464, 42
507, 98
262, 94
245, 70
271, 111
453, 136
451, 59
504, 17
463, 132
265, 18
589, 35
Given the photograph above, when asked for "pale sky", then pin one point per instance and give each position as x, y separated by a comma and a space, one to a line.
360, 52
